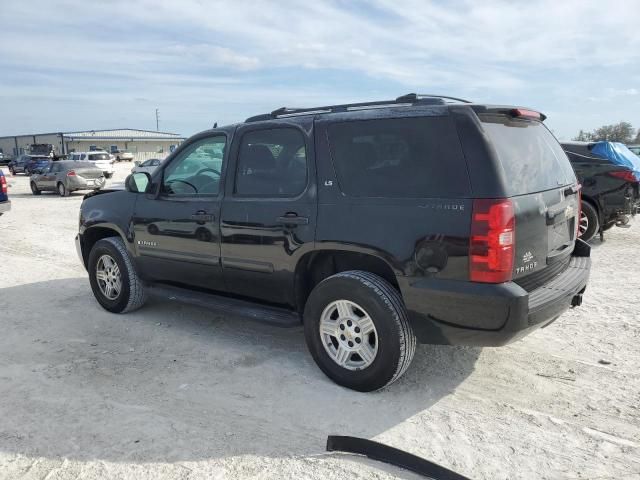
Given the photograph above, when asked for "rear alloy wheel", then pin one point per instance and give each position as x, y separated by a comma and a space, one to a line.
589, 223
34, 188
12, 171
62, 190
357, 330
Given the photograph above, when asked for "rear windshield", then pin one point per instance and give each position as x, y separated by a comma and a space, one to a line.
531, 158
399, 158
79, 165
98, 156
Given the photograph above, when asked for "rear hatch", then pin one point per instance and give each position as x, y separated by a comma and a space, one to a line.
100, 160
539, 180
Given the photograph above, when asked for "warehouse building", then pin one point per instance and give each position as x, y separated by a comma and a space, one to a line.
143, 144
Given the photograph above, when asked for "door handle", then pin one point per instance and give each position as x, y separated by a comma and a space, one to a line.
292, 219
201, 217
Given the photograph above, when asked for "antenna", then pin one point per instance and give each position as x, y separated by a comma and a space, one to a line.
157, 120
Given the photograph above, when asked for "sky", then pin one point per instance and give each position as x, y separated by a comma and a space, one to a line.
83, 65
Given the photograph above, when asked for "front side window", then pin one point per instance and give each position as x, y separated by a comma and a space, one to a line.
197, 170
272, 163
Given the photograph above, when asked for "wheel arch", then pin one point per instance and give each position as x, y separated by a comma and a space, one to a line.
595, 203
95, 233
313, 267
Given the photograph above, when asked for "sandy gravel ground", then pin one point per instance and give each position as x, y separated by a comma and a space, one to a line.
173, 391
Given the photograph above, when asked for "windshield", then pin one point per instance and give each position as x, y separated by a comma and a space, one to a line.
99, 156
531, 158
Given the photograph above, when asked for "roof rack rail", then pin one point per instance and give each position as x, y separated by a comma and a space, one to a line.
413, 97
404, 100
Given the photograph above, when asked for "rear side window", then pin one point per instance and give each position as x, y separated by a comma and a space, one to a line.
399, 158
272, 163
531, 158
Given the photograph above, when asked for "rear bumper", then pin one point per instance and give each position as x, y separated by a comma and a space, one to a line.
75, 183
5, 206
464, 313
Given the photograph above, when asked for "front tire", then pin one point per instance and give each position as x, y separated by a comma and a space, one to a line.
113, 278
357, 330
34, 188
589, 223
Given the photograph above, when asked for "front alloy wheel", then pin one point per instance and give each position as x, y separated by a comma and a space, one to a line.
108, 277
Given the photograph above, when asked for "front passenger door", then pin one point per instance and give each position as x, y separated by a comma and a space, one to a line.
48, 179
177, 228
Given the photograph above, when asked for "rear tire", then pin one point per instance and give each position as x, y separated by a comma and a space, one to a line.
589, 223
353, 312
34, 188
131, 292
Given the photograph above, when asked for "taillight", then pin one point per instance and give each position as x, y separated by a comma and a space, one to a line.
577, 220
492, 244
71, 173
626, 175
522, 112
3, 184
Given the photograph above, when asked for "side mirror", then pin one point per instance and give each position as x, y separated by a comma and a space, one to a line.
137, 163
138, 182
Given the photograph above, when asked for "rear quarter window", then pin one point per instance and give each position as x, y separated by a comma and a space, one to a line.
399, 158
531, 158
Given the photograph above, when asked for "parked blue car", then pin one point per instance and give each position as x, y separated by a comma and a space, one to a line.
5, 204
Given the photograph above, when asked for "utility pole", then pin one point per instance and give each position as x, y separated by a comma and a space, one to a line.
157, 120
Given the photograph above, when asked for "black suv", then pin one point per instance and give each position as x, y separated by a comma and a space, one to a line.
376, 225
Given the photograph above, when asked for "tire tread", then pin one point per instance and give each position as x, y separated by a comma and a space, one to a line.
390, 296
137, 290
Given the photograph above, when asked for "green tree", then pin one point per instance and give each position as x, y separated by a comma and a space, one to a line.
583, 136
620, 132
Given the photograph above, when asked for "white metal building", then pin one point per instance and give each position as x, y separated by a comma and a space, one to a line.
144, 144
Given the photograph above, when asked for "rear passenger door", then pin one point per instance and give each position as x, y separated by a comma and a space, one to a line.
269, 211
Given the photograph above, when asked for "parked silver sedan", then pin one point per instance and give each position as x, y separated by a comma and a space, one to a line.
147, 166
67, 176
